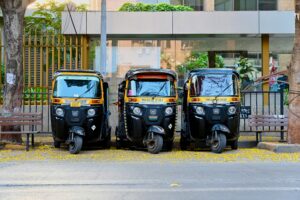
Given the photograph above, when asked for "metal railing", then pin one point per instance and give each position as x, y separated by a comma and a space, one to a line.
256, 100
263, 103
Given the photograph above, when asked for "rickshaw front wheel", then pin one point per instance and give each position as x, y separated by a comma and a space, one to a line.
219, 143
155, 144
76, 145
234, 145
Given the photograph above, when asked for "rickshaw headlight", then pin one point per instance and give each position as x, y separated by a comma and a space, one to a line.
137, 111
169, 111
232, 110
91, 112
200, 110
59, 112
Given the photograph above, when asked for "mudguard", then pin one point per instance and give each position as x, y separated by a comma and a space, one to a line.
220, 127
77, 130
156, 130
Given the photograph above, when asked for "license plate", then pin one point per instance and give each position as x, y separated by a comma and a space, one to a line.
216, 111
75, 104
153, 118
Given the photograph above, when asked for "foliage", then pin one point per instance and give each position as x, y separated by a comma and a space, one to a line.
198, 60
142, 7
47, 16
35, 94
2, 73
246, 70
286, 97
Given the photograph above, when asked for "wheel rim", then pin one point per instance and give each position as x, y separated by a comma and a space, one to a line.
216, 143
72, 145
151, 144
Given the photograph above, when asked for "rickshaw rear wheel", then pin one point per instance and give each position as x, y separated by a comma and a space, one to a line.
76, 145
119, 144
219, 143
155, 144
106, 143
234, 145
56, 144
183, 143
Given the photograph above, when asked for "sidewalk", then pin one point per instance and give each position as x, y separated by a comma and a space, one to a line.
45, 151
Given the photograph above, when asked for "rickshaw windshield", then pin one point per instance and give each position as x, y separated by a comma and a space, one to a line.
150, 87
77, 87
214, 85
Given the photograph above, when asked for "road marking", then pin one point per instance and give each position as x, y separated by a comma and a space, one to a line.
98, 188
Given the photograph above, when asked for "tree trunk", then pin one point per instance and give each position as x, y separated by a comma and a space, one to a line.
294, 81
13, 17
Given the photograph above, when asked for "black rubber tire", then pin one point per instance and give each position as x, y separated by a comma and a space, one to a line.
234, 145
183, 143
156, 144
119, 143
168, 146
56, 144
106, 143
220, 144
76, 145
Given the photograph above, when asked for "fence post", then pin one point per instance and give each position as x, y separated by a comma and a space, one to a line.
282, 113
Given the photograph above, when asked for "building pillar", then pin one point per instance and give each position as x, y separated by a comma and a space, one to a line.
85, 52
209, 5
265, 51
212, 59
286, 5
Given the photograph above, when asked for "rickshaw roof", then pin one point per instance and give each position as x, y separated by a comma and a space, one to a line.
134, 72
213, 71
87, 71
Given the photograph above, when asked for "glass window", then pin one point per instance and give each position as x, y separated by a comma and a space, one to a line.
245, 4
223, 5
161, 88
77, 87
267, 4
214, 85
195, 4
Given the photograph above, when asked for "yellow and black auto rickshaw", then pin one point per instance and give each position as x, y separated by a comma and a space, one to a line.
147, 109
79, 109
211, 109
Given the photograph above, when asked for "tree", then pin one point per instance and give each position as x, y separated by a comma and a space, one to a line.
198, 60
13, 16
294, 82
47, 16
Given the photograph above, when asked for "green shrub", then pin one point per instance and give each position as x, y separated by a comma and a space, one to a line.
161, 7
198, 60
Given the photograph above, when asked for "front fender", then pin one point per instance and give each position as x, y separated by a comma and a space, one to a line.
77, 130
156, 130
220, 127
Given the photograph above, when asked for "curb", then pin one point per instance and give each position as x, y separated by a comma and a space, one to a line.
279, 147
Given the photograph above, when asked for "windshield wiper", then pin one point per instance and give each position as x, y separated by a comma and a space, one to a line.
223, 91
160, 89
89, 89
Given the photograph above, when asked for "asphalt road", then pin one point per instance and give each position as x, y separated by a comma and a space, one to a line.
148, 180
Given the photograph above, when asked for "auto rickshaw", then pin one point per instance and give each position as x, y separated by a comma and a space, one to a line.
79, 109
147, 110
211, 109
